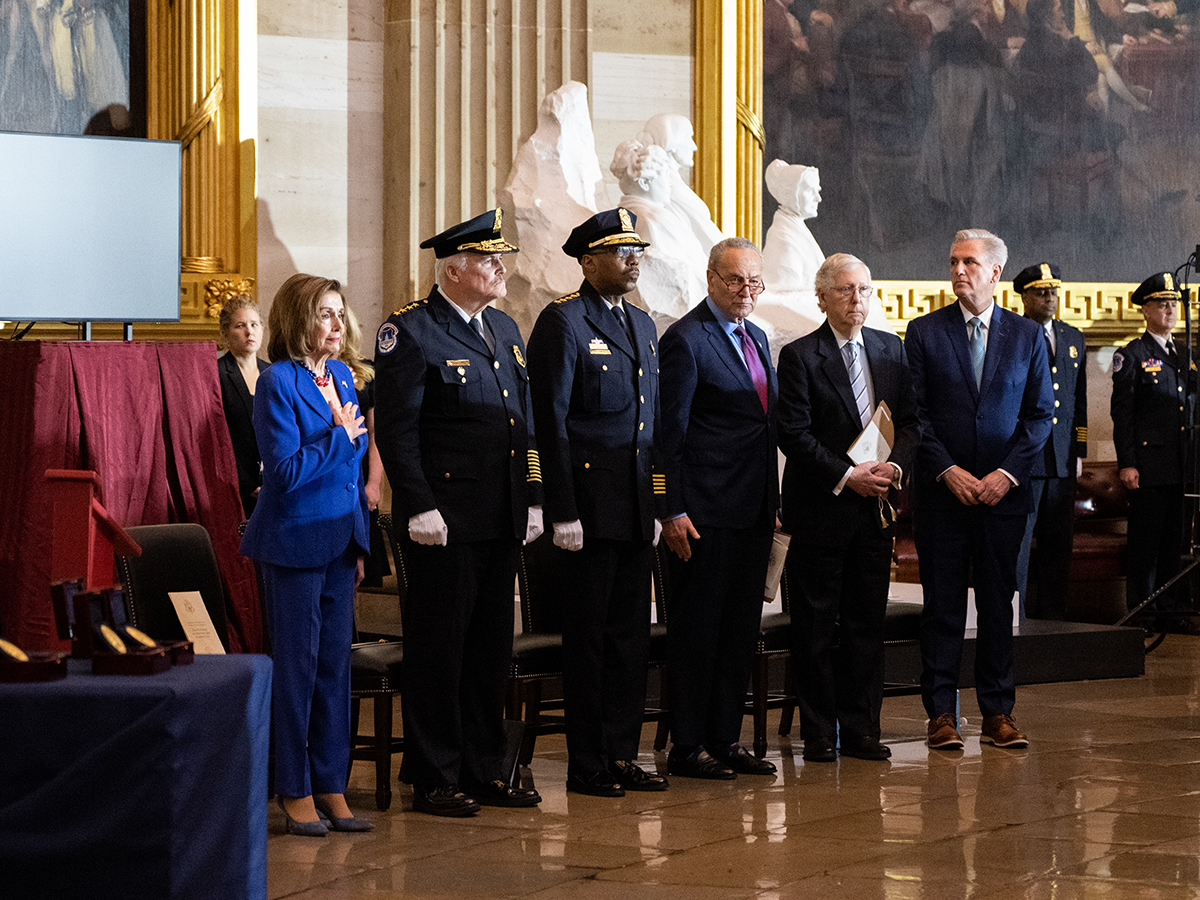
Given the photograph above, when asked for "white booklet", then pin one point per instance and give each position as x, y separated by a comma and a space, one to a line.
197, 623
779, 549
875, 442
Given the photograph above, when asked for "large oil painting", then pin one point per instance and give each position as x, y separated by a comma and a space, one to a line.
65, 62
1069, 127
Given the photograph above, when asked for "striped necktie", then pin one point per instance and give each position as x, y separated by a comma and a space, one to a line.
858, 381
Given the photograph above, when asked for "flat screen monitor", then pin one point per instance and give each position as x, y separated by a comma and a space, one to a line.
89, 228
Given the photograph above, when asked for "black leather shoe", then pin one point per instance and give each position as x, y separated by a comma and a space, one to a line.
742, 761
497, 793
819, 751
444, 801
866, 749
633, 777
698, 764
598, 784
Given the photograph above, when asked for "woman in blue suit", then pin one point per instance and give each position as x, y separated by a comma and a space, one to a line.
308, 534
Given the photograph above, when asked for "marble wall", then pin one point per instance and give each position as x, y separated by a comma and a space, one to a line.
320, 147
637, 72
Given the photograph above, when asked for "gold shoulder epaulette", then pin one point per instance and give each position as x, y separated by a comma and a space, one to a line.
402, 310
570, 296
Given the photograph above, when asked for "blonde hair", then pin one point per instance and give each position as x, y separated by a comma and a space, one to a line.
294, 316
229, 307
351, 353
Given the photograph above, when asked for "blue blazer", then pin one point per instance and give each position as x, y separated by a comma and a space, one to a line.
312, 504
1002, 424
595, 403
718, 448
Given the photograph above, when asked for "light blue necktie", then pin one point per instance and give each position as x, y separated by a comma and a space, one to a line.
978, 348
858, 381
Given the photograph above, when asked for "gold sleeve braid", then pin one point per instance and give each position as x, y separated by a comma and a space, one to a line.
535, 467
659, 483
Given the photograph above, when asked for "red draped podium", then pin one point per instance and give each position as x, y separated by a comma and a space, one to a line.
147, 418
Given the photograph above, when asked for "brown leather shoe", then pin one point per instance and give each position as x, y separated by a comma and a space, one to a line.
1001, 731
943, 733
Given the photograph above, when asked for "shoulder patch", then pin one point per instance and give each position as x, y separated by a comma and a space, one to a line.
571, 296
386, 341
1118, 362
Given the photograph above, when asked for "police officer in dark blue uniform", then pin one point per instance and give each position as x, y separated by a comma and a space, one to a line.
593, 362
1057, 468
1150, 432
454, 428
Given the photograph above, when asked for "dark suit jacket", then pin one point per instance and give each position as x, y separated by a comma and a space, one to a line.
595, 404
239, 407
453, 424
312, 504
1148, 413
818, 421
1068, 426
1000, 425
718, 448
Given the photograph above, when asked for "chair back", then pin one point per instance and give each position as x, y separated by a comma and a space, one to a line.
542, 579
174, 558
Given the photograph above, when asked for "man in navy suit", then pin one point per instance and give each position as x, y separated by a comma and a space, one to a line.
718, 509
984, 399
1060, 463
593, 361
454, 429
839, 512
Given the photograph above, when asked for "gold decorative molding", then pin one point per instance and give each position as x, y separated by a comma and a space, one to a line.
1102, 312
217, 291
204, 113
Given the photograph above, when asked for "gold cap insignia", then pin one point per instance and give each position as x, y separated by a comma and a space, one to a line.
1169, 284
1046, 271
626, 222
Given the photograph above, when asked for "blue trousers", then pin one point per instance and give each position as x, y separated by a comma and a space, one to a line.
311, 616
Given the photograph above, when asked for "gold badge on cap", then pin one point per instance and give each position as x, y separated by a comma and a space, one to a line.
1046, 271
626, 222
496, 227
1168, 282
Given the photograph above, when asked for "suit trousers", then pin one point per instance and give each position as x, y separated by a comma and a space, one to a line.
606, 638
1052, 524
1156, 537
311, 617
713, 621
458, 631
960, 546
839, 601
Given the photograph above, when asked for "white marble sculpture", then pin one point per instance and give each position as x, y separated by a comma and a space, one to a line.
788, 307
673, 133
554, 184
672, 268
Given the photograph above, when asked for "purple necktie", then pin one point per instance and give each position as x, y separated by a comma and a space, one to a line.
757, 374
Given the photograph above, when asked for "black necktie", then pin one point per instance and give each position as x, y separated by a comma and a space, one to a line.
619, 311
477, 321
1172, 356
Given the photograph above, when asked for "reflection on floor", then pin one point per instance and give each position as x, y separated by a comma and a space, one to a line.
1104, 804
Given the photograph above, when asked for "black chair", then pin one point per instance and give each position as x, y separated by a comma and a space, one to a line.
537, 649
174, 558
774, 639
375, 667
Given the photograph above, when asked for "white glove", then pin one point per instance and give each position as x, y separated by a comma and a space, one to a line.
534, 527
428, 528
568, 535
657, 533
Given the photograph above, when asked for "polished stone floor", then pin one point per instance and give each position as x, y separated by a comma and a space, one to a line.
1105, 803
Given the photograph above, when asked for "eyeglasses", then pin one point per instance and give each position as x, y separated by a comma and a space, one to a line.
621, 252
737, 283
864, 291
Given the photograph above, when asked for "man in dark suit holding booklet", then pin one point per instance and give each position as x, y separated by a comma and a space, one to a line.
838, 485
